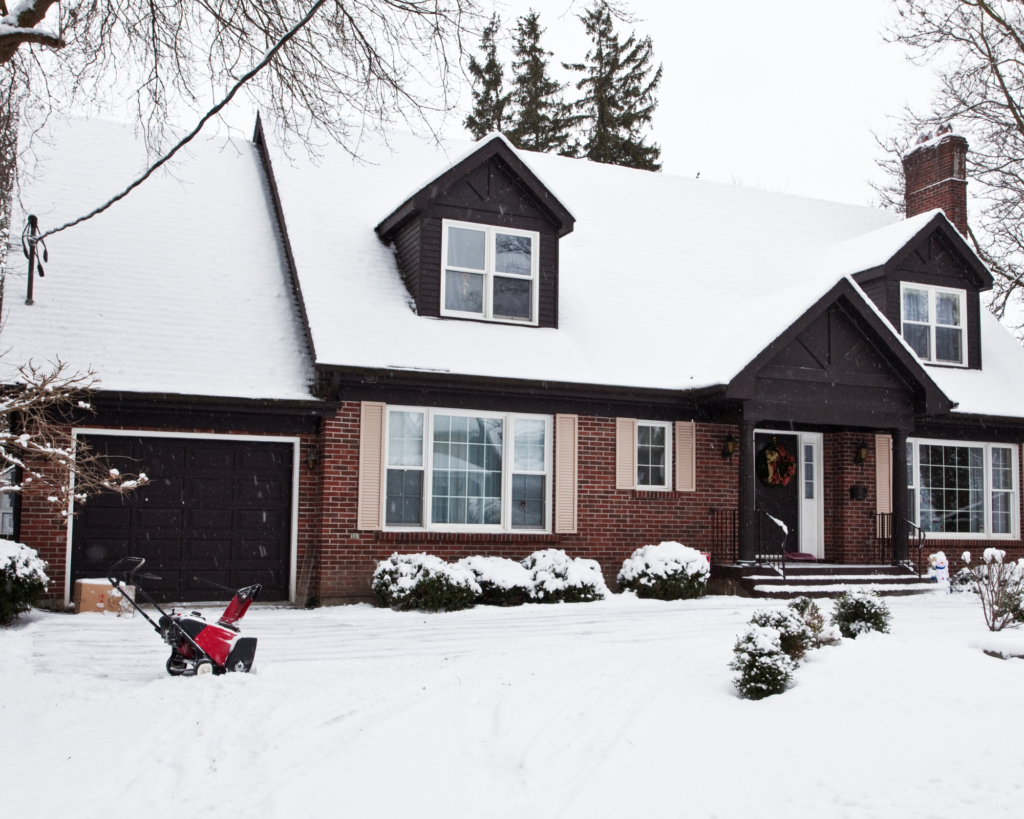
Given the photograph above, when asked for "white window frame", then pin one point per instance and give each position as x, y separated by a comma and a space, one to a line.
932, 320
507, 470
913, 482
667, 487
490, 274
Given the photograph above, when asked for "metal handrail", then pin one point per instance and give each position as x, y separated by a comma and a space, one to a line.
771, 543
888, 547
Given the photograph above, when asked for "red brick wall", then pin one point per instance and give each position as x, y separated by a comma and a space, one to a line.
612, 523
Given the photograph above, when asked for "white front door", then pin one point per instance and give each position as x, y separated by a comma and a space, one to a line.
811, 508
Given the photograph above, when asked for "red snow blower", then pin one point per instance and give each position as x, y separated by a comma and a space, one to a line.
197, 647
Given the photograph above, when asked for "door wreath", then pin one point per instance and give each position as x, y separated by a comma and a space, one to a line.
775, 466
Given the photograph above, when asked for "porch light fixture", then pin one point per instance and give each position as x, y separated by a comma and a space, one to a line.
862, 453
729, 447
313, 458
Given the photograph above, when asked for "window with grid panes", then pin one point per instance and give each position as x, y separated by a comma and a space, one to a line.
453, 470
653, 455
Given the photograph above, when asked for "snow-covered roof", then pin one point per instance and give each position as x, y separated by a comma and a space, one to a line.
181, 288
665, 282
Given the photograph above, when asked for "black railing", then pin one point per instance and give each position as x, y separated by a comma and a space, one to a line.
771, 542
725, 535
894, 550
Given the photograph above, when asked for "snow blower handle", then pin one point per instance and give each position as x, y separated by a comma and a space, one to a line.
128, 578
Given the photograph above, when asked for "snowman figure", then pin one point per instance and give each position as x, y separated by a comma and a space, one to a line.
939, 569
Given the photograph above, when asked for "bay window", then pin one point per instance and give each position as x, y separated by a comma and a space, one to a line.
489, 272
963, 489
934, 319
454, 470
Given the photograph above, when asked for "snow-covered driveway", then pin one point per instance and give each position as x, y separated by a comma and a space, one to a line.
620, 708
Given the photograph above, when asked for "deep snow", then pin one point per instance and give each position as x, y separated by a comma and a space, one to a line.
589, 710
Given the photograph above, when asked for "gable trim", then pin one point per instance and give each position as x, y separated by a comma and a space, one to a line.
906, 365
982, 278
522, 175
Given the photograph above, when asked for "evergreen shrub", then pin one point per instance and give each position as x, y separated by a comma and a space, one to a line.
667, 571
857, 612
794, 635
22, 580
763, 667
502, 582
423, 582
557, 578
821, 634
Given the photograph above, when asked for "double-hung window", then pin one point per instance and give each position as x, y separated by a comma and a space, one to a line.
966, 489
934, 320
489, 272
653, 455
453, 470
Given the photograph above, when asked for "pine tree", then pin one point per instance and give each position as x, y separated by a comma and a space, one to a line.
542, 121
618, 94
489, 103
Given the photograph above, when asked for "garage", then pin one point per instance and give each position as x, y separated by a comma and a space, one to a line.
217, 508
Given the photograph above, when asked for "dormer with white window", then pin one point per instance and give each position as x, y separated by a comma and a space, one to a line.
930, 290
479, 242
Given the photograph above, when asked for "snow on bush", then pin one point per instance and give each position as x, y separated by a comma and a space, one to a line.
668, 571
22, 579
962, 581
1000, 586
860, 611
821, 634
423, 582
502, 582
763, 667
794, 635
557, 578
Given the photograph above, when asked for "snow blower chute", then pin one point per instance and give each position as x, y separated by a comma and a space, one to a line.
197, 647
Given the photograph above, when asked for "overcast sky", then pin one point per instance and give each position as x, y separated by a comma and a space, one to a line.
781, 95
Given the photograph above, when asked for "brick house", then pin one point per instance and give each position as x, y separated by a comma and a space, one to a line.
491, 352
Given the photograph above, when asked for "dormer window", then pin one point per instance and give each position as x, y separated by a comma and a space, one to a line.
934, 323
489, 273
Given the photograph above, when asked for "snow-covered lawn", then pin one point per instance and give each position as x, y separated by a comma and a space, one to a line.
588, 710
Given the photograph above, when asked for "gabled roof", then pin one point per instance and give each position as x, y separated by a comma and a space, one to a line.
899, 354
491, 146
181, 288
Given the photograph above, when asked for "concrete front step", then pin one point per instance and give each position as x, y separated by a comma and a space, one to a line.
816, 580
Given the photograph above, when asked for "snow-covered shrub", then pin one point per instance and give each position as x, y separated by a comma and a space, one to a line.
502, 582
424, 583
857, 612
1000, 585
794, 635
764, 668
22, 579
962, 581
557, 578
821, 634
668, 571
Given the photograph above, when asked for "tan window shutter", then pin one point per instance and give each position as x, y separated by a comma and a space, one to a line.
686, 456
625, 453
370, 507
566, 471
883, 473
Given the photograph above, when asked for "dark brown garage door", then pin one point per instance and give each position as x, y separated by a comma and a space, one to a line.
216, 509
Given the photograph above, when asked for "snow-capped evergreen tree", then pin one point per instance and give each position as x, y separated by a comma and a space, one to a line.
618, 94
489, 103
542, 121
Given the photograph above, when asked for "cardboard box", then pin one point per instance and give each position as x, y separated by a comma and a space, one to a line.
99, 595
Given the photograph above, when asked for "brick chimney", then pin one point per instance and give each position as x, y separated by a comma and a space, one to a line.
936, 177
